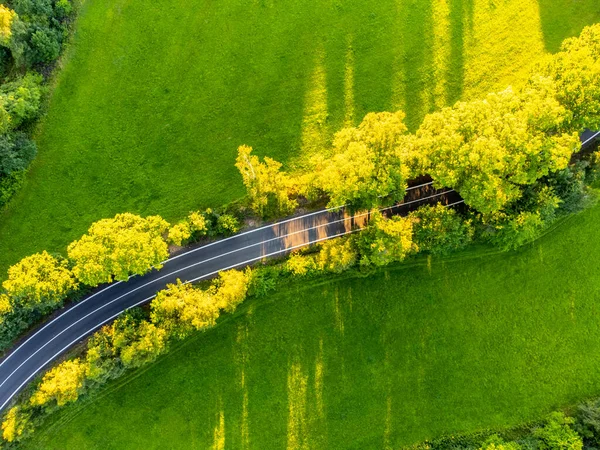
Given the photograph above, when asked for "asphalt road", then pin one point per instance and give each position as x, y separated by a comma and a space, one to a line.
73, 324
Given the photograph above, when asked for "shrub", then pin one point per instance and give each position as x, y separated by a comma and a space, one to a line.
16, 424
386, 240
194, 226
16, 152
22, 98
181, 308
440, 230
62, 384
231, 288
300, 265
336, 255
587, 423
557, 433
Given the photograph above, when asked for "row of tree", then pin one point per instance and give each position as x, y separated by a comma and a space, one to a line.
32, 33
112, 249
132, 340
508, 155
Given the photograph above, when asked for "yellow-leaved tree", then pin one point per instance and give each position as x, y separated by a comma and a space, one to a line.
367, 162
488, 149
62, 384
336, 255
575, 73
16, 424
386, 240
181, 308
7, 16
39, 281
231, 288
194, 224
114, 249
269, 189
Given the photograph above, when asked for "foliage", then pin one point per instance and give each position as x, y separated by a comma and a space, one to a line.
61, 384
231, 287
21, 98
182, 308
270, 190
130, 341
575, 73
39, 281
336, 255
386, 240
115, 248
440, 230
487, 149
16, 424
587, 423
39, 31
298, 264
7, 16
367, 162
16, 152
558, 434
192, 227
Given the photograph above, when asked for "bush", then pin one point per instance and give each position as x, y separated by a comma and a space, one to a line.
16, 152
62, 384
557, 434
440, 230
587, 423
386, 240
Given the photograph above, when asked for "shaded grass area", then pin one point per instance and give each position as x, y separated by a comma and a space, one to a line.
439, 346
155, 96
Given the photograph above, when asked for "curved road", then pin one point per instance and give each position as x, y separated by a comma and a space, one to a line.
75, 323
78, 321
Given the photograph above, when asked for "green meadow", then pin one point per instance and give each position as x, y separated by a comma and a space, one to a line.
483, 340
154, 97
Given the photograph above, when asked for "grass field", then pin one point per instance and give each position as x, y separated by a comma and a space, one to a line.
484, 340
155, 96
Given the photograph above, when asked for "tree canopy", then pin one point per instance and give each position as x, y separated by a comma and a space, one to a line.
114, 249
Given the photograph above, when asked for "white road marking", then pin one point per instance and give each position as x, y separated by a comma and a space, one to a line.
173, 258
212, 273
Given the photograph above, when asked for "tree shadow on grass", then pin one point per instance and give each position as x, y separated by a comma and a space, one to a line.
561, 19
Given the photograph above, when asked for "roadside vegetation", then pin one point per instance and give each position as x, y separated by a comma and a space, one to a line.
150, 125
510, 157
445, 345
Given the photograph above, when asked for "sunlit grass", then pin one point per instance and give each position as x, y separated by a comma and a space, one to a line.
503, 44
480, 340
149, 122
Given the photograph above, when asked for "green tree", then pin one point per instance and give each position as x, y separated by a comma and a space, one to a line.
440, 230
22, 98
557, 433
114, 249
16, 152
